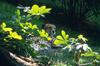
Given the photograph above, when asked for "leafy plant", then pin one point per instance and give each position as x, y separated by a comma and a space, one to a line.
44, 34
62, 39
36, 10
20, 32
11, 33
78, 46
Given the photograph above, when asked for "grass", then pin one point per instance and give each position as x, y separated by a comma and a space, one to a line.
57, 57
64, 58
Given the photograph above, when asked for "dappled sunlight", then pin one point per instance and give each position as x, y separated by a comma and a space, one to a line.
49, 33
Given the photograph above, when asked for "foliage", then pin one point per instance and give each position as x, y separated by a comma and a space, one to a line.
11, 34
62, 39
6, 11
19, 32
78, 46
44, 34
23, 35
81, 10
36, 10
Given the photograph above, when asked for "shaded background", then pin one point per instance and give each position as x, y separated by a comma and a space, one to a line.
77, 16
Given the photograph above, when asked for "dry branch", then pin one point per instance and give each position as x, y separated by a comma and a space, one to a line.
10, 59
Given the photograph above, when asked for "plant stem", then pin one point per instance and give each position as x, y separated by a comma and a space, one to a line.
76, 58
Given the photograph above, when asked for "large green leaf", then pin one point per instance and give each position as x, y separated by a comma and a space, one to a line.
59, 37
57, 42
62, 39
97, 56
63, 33
3, 25
36, 10
80, 37
88, 54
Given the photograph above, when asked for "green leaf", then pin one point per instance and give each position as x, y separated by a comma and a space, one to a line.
18, 12
57, 42
63, 33
69, 46
21, 24
59, 37
47, 10
34, 27
97, 56
43, 33
88, 54
41, 9
62, 39
49, 38
80, 37
89, 49
66, 37
3, 25
7, 29
36, 10
44, 10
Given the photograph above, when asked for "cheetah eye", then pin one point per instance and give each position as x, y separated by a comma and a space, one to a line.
53, 32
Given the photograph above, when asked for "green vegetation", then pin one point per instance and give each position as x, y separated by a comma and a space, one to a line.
6, 11
78, 46
21, 33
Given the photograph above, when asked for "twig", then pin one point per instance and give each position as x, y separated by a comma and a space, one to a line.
85, 64
24, 61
